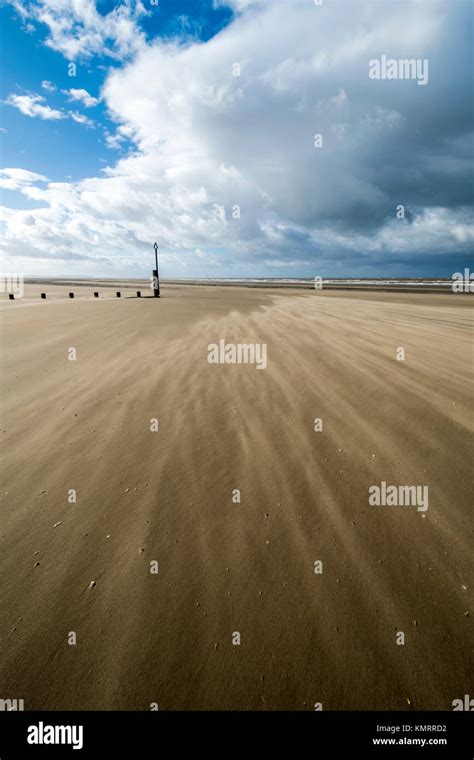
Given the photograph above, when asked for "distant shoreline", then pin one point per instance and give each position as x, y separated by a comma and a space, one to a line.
399, 284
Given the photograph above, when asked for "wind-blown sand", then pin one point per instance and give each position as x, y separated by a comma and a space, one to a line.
225, 567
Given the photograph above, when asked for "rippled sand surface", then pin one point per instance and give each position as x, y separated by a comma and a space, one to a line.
169, 497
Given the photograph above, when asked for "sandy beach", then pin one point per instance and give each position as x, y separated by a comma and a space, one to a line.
168, 497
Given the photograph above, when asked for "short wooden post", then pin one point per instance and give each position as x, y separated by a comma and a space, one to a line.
156, 284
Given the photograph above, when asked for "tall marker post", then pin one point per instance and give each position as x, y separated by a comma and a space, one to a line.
156, 279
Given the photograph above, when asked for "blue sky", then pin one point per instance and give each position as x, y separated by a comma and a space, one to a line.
194, 123
27, 62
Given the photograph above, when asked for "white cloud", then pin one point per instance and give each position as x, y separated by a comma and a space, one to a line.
82, 96
239, 5
116, 140
20, 9
76, 29
32, 105
205, 141
48, 86
80, 118
19, 179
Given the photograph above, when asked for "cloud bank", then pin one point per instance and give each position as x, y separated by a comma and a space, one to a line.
268, 149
